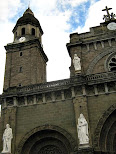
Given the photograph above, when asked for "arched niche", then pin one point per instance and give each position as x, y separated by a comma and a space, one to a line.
47, 138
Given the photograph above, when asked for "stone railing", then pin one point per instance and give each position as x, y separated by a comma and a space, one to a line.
101, 76
77, 80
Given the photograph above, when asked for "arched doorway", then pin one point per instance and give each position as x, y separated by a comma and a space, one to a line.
105, 133
47, 140
108, 134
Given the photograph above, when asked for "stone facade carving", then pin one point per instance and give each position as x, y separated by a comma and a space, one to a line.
76, 63
96, 59
7, 137
47, 127
82, 128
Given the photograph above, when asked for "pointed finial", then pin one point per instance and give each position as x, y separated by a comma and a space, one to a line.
29, 4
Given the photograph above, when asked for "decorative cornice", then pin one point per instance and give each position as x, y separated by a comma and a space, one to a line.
78, 80
35, 42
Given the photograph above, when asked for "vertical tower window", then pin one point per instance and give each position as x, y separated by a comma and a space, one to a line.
20, 69
23, 31
33, 31
20, 53
20, 84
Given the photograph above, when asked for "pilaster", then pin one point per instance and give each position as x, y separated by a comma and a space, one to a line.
80, 106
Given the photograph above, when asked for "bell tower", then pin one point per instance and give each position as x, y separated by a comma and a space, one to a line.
25, 57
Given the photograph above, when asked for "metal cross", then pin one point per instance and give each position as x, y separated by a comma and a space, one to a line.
107, 10
29, 4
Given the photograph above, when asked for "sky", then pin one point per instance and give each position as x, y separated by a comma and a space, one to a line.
58, 19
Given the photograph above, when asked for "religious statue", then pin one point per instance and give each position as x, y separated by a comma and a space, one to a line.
109, 16
76, 63
106, 18
7, 137
113, 16
82, 128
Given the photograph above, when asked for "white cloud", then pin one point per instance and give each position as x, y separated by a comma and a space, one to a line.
95, 15
6, 37
8, 9
54, 42
76, 2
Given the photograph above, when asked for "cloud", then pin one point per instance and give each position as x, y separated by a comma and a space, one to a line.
6, 37
95, 14
8, 9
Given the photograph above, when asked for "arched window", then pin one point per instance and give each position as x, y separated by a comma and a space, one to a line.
23, 31
33, 31
20, 70
20, 53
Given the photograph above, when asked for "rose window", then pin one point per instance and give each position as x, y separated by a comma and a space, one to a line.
112, 64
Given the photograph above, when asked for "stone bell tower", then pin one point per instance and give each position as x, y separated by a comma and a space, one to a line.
26, 60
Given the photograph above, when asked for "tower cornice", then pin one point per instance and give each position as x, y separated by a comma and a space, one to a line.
35, 42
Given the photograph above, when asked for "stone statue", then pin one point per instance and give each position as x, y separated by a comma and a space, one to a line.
82, 128
106, 18
7, 137
76, 63
113, 16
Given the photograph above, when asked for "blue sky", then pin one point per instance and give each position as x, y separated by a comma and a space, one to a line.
58, 19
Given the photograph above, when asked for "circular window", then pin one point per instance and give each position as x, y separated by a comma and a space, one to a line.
112, 63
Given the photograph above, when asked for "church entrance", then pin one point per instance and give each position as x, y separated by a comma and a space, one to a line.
47, 142
49, 146
108, 134
50, 149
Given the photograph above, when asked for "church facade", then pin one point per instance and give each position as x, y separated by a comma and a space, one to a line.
72, 116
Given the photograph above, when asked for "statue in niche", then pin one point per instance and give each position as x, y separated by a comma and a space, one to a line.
82, 128
76, 63
7, 137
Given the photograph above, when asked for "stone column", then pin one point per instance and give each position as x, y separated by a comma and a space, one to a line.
43, 97
25, 98
34, 99
15, 101
62, 93
53, 96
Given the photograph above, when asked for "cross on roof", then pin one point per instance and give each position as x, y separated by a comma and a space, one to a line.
107, 10
29, 4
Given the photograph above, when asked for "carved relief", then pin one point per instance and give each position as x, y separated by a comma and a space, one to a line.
50, 149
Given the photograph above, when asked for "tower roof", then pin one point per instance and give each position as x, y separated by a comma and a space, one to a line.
28, 18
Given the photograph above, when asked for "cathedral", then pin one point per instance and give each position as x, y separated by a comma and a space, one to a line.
71, 116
